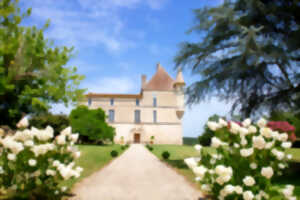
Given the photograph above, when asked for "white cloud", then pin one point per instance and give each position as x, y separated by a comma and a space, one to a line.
89, 22
121, 85
195, 117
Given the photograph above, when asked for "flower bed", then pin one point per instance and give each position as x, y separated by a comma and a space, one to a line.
248, 157
33, 163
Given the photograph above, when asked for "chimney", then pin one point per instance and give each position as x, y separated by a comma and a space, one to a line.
144, 80
158, 66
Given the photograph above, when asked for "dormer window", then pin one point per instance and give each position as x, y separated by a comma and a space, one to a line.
111, 102
89, 101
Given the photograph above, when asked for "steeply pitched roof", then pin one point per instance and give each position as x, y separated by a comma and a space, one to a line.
161, 81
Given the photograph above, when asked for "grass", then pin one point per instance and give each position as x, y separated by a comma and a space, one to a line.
92, 159
179, 153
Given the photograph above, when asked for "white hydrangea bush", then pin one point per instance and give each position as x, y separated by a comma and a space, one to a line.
245, 159
33, 163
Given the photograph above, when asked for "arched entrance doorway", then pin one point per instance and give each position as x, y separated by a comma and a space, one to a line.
137, 135
137, 138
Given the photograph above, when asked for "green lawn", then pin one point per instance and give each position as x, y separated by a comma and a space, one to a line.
178, 153
92, 159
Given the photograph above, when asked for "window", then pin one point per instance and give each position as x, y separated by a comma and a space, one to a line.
137, 116
137, 102
89, 101
154, 102
111, 102
154, 116
111, 115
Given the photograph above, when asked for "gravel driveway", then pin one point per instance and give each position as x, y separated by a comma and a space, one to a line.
136, 175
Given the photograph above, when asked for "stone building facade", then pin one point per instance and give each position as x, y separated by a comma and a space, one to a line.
156, 111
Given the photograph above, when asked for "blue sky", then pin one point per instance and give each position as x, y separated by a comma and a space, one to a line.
116, 41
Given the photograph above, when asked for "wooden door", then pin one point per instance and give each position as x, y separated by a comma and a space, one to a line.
137, 138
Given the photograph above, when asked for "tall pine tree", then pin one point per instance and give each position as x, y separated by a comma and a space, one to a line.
248, 53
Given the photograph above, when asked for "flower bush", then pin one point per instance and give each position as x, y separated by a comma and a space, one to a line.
33, 163
245, 160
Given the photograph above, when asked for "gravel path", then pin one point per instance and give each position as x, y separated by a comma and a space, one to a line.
136, 175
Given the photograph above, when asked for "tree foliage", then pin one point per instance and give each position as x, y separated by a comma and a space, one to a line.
248, 53
33, 72
57, 122
91, 124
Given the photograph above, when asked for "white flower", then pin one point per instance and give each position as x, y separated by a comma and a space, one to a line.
281, 166
246, 152
67, 131
266, 132
23, 123
283, 137
74, 137
198, 147
238, 189
212, 161
222, 123
191, 162
224, 174
258, 142
267, 172
229, 189
262, 122
253, 165
243, 131
288, 191
11, 156
246, 122
279, 154
244, 142
249, 181
61, 139
248, 195
23, 135
234, 127
1, 170
50, 172
42, 149
28, 143
216, 142
269, 145
252, 129
236, 145
286, 145
275, 135
289, 156
32, 162
213, 125
200, 171
14, 146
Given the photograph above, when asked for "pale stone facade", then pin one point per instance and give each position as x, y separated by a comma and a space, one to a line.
157, 111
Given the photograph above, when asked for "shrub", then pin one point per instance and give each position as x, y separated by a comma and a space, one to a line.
247, 158
291, 118
57, 122
114, 153
91, 125
33, 164
165, 155
149, 147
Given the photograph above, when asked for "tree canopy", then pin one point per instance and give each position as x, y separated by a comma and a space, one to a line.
33, 71
91, 124
248, 53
